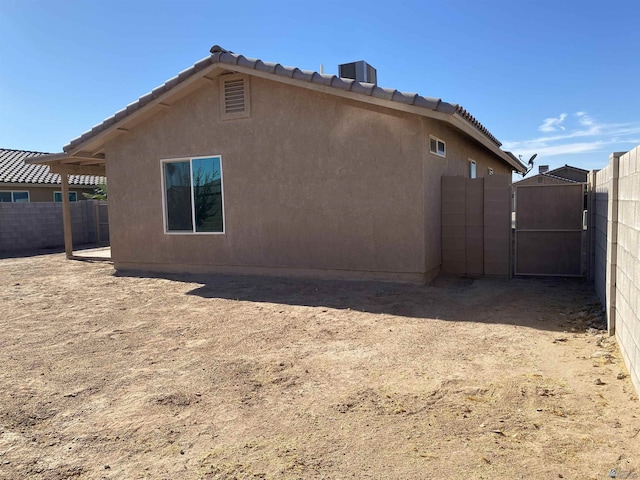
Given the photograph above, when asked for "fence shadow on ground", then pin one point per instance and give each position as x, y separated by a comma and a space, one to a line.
554, 304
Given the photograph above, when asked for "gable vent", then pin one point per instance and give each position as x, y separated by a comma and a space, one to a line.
235, 96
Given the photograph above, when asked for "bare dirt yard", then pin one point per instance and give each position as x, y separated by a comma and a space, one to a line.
113, 376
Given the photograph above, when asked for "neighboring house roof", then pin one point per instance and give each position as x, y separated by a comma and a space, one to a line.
557, 174
570, 173
87, 151
557, 177
544, 175
555, 170
13, 169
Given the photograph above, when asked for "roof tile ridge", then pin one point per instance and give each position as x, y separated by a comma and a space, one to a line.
550, 175
473, 121
221, 55
22, 151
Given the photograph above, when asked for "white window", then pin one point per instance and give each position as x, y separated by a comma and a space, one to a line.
437, 146
234, 96
192, 195
57, 196
14, 197
472, 169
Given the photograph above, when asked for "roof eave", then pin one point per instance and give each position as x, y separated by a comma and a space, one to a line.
477, 135
49, 157
95, 138
158, 98
63, 163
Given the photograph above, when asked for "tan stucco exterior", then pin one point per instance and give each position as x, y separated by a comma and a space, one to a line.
39, 193
314, 184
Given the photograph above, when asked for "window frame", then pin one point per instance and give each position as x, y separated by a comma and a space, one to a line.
60, 192
436, 152
13, 192
473, 169
164, 196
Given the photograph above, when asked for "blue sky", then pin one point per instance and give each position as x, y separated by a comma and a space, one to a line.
556, 78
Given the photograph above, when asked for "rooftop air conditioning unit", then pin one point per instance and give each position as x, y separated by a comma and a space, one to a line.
359, 71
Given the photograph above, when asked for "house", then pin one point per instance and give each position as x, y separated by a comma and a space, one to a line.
558, 176
24, 182
254, 167
561, 175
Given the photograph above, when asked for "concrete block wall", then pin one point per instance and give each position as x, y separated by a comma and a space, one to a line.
617, 190
38, 225
600, 186
627, 324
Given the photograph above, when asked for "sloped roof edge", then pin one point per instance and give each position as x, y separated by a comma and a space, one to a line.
568, 166
220, 56
568, 180
547, 174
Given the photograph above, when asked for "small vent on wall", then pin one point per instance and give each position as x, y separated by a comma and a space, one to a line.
235, 96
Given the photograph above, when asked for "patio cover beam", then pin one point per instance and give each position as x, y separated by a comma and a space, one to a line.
75, 169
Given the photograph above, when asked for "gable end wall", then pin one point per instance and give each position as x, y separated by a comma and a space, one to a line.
313, 183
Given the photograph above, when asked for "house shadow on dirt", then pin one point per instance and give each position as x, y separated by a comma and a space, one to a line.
555, 304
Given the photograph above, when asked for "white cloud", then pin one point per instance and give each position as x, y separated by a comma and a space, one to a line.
553, 124
594, 137
585, 119
566, 149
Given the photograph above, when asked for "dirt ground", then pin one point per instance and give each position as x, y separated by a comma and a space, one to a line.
112, 376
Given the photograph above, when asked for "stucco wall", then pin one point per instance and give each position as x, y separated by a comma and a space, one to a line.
322, 184
43, 194
476, 225
459, 150
312, 183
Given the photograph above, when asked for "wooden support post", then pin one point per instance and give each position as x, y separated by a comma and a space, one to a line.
66, 216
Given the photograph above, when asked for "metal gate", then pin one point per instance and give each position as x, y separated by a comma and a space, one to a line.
102, 222
549, 235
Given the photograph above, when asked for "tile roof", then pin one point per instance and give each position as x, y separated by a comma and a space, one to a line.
221, 56
549, 175
571, 167
13, 169
557, 177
